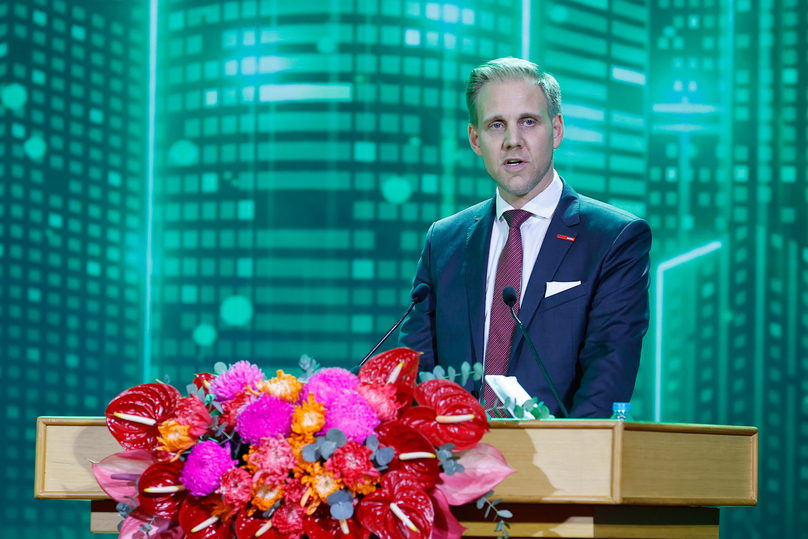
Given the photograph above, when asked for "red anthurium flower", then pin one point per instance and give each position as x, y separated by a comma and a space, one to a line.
197, 523
447, 414
247, 526
399, 510
134, 415
414, 454
202, 381
321, 525
160, 491
398, 366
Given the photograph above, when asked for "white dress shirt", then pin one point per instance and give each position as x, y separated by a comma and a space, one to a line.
533, 231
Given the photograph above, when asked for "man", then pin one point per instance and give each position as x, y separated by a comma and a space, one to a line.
580, 268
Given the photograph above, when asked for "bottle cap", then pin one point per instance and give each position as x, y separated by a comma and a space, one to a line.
621, 407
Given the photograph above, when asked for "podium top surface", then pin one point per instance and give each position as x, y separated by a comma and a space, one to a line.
557, 461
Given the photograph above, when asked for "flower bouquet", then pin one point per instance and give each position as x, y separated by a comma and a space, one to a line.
325, 455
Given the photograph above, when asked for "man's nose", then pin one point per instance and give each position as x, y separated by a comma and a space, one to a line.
513, 138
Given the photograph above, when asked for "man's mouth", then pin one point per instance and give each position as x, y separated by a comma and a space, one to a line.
513, 163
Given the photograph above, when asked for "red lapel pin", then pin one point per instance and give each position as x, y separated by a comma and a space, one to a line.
563, 237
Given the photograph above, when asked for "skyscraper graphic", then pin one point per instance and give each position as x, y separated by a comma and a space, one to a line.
72, 215
302, 151
599, 52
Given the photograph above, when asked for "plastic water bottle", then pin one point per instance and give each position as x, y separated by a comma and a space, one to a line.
621, 411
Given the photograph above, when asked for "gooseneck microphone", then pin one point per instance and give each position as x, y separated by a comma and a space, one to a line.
509, 297
418, 295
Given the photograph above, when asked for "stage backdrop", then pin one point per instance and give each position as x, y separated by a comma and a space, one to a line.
186, 182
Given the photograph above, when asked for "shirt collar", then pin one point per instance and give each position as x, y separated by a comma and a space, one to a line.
542, 205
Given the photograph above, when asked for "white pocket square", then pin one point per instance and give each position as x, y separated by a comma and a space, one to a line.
555, 287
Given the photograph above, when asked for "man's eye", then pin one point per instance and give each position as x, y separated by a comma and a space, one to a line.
529, 122
496, 125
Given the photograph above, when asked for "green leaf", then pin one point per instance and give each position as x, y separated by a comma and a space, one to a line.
478, 370
496, 502
480, 502
529, 405
219, 367
487, 510
452, 373
426, 376
518, 411
465, 371
439, 372
504, 513
505, 534
499, 526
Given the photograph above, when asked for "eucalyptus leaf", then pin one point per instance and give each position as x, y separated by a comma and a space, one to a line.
372, 442
499, 526
459, 468
518, 411
487, 510
426, 376
504, 513
478, 370
529, 405
505, 534
336, 436
327, 449
488, 494
496, 502
452, 373
342, 510
480, 502
439, 372
339, 496
219, 367
310, 453
465, 372
385, 455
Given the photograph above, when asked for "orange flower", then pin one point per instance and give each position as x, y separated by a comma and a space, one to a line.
321, 483
222, 510
265, 496
363, 488
175, 438
284, 386
309, 417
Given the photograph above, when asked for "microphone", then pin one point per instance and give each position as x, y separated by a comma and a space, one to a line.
418, 295
509, 297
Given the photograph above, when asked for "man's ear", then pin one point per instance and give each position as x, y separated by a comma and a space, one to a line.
474, 140
558, 130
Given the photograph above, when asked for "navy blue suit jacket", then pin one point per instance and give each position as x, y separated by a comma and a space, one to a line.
588, 336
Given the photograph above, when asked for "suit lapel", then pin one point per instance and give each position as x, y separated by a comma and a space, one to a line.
478, 241
552, 252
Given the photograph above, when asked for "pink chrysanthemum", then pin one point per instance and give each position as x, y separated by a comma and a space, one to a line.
351, 463
328, 384
265, 418
352, 415
271, 461
233, 380
382, 398
236, 487
206, 464
288, 518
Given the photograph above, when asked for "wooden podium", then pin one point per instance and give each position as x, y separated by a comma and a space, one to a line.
576, 478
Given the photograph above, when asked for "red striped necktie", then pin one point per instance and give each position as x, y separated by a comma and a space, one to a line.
501, 327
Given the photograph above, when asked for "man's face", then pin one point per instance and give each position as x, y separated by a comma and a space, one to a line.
516, 137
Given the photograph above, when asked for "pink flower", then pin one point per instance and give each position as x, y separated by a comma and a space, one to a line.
272, 460
233, 408
288, 518
191, 412
234, 379
351, 463
329, 384
206, 464
352, 415
382, 398
236, 487
265, 418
